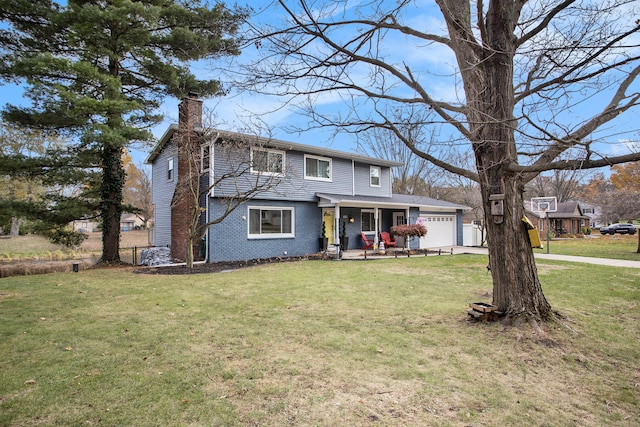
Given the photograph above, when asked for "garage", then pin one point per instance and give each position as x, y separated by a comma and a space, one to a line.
441, 231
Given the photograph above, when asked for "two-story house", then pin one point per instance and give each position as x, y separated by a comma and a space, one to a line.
347, 192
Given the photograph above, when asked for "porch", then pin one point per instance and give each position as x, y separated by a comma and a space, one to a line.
359, 254
351, 216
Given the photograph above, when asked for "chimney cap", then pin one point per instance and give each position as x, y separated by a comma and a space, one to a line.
192, 94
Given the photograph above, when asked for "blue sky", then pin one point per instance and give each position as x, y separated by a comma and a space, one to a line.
231, 112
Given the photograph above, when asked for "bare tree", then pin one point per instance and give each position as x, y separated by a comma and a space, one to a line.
519, 74
562, 184
416, 176
239, 175
137, 193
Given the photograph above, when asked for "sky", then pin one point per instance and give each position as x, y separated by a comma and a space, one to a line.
434, 60
231, 110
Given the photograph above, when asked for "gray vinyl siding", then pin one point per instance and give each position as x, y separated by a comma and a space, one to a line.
363, 184
294, 186
229, 240
162, 193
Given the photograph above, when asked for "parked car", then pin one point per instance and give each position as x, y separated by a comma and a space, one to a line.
618, 228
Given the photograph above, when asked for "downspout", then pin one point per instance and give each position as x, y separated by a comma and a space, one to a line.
207, 204
353, 177
211, 191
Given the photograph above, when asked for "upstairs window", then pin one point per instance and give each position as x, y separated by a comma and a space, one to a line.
170, 169
318, 168
267, 161
205, 157
374, 176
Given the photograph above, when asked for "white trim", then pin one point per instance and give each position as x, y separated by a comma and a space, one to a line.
170, 168
268, 151
353, 177
318, 158
373, 223
271, 235
379, 169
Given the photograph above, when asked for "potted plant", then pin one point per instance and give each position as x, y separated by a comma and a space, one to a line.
323, 241
344, 240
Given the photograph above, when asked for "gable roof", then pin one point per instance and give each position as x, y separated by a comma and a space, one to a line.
274, 143
565, 210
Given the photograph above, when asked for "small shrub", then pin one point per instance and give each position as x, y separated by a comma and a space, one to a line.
66, 238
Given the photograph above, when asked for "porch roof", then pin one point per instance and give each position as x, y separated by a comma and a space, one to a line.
398, 201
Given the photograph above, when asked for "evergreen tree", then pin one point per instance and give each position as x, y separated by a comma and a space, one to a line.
99, 70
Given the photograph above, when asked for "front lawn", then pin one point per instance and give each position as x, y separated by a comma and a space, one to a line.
616, 247
349, 343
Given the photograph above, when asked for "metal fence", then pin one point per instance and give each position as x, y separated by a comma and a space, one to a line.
131, 255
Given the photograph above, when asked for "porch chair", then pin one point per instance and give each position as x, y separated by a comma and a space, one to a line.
367, 244
387, 240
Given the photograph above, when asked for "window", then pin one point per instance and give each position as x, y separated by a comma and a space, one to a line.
205, 156
374, 176
317, 168
170, 169
267, 161
368, 221
270, 222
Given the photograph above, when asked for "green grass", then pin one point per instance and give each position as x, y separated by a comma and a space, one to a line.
383, 343
34, 254
616, 247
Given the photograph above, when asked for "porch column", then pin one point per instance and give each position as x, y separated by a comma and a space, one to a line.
377, 221
336, 225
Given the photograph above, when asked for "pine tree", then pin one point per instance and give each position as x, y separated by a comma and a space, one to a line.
99, 70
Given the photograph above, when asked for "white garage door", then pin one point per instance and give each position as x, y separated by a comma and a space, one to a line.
441, 231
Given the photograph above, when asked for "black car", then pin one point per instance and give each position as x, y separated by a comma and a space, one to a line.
618, 228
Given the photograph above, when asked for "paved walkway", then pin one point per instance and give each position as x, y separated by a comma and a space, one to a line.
456, 250
569, 258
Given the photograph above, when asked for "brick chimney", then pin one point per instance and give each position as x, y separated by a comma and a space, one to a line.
182, 205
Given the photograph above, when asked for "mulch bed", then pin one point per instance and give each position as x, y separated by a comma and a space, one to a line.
216, 267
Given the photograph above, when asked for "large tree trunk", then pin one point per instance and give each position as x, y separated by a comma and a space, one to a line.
113, 176
490, 99
516, 288
111, 210
15, 226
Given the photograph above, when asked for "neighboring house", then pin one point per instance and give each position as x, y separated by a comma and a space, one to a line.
340, 189
130, 222
85, 225
568, 219
594, 213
